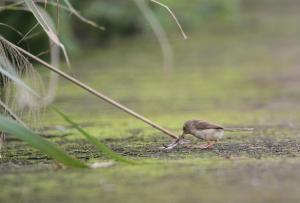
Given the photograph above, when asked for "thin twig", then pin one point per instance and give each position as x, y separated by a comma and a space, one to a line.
15, 30
28, 32
174, 17
95, 92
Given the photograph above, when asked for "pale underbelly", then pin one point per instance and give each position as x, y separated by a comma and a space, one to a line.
210, 134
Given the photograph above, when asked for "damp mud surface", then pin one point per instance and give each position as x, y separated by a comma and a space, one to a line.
246, 76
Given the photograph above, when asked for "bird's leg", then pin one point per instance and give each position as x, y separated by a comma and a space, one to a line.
208, 145
2, 140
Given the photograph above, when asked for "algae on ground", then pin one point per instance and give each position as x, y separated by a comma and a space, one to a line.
236, 77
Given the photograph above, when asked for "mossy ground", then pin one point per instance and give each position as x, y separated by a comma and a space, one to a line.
236, 75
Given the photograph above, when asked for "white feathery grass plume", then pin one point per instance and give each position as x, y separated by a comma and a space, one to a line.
47, 23
21, 86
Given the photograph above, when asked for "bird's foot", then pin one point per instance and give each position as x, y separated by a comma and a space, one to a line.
184, 141
175, 143
169, 146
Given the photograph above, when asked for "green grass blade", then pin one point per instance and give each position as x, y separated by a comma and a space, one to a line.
16, 130
100, 146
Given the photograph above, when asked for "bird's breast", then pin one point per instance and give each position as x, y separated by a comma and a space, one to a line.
209, 134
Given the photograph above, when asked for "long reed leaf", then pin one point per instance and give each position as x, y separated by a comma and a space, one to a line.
100, 146
16, 130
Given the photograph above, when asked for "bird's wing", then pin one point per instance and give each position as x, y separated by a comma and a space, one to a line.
201, 125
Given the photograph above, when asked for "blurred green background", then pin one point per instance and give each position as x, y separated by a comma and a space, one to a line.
121, 19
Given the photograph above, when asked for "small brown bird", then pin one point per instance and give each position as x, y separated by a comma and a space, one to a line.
209, 132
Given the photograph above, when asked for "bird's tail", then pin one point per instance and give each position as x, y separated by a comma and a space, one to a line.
238, 129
